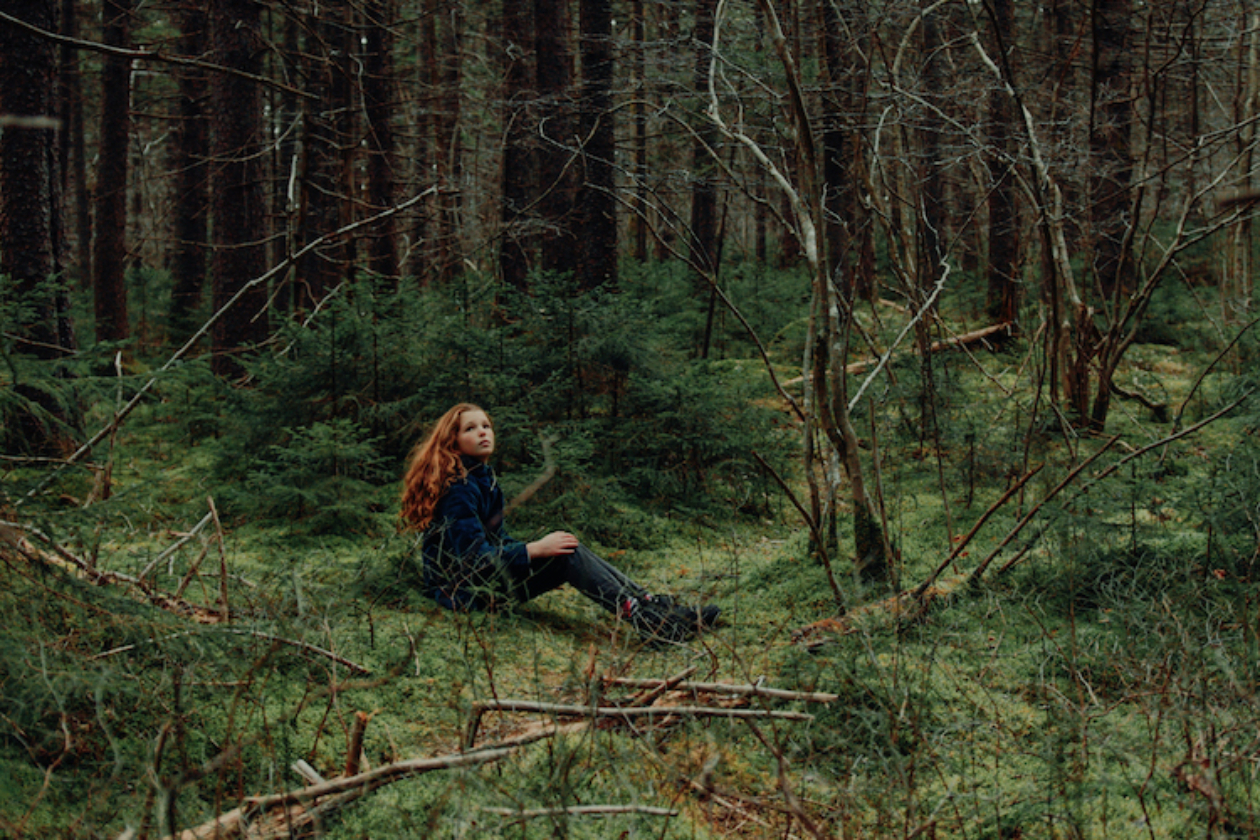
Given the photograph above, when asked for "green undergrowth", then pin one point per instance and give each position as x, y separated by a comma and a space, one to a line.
1099, 679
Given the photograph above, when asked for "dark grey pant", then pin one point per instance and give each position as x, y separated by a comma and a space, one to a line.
582, 569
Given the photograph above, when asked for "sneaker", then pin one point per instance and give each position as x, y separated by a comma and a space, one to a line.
659, 619
705, 615
659, 622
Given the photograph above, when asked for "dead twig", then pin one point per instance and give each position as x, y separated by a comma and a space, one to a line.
655, 688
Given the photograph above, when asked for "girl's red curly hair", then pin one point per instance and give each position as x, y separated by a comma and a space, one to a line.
433, 465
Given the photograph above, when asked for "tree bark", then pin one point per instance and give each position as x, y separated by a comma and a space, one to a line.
596, 203
518, 181
110, 254
28, 257
703, 225
30, 238
73, 151
639, 223
445, 73
1003, 297
554, 79
1111, 157
237, 199
379, 105
192, 190
328, 146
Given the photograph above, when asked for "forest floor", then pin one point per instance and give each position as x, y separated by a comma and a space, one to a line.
164, 670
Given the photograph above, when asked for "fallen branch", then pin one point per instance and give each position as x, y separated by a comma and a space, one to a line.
624, 713
372, 779
578, 810
184, 538
300, 807
656, 688
61, 558
303, 646
755, 690
962, 544
993, 334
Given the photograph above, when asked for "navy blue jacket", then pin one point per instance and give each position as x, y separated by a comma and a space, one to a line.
466, 547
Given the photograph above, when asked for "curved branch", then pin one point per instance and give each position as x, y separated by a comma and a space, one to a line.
148, 55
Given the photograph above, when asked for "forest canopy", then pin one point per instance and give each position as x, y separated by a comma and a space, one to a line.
918, 335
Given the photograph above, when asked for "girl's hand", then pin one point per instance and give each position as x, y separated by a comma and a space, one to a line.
552, 545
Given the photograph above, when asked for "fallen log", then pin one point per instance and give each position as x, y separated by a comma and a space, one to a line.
990, 336
995, 335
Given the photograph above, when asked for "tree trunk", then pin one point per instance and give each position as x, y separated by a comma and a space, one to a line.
73, 150
1111, 157
516, 250
1003, 263
110, 257
1236, 290
596, 204
192, 192
445, 74
379, 104
639, 223
328, 121
554, 78
237, 198
30, 253
703, 226
28, 257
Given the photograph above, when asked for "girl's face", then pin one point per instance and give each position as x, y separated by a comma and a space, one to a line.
476, 435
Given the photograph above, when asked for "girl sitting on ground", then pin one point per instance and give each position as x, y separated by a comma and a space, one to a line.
451, 494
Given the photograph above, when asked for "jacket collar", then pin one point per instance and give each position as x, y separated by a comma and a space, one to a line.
472, 464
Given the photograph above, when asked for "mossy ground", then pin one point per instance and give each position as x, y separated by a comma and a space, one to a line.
1104, 686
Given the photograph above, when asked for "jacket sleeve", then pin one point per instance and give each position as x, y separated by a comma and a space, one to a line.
466, 535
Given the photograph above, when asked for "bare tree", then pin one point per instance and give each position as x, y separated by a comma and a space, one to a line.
827, 412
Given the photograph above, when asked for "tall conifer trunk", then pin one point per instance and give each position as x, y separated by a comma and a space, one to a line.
554, 77
596, 202
518, 175
379, 103
192, 192
30, 238
110, 255
237, 199
1003, 262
